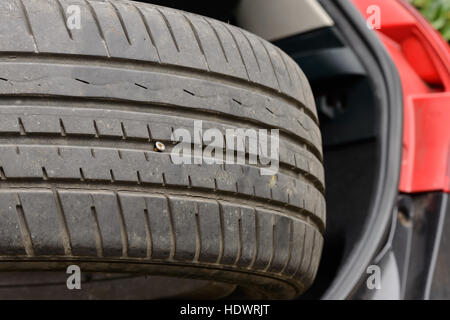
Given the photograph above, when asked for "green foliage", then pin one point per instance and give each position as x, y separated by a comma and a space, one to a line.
437, 12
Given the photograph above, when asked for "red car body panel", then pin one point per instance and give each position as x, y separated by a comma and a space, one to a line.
422, 58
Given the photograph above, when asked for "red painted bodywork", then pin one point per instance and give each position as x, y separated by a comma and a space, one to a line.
422, 58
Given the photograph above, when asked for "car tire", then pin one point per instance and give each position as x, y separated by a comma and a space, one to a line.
82, 182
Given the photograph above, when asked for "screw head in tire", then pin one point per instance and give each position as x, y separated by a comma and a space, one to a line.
159, 146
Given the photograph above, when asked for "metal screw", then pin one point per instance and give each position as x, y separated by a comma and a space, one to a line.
159, 146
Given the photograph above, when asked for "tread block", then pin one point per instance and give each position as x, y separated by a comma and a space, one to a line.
308, 251
81, 222
160, 226
231, 233
109, 221
209, 229
264, 222
10, 233
135, 216
298, 244
248, 237
40, 213
185, 229
283, 234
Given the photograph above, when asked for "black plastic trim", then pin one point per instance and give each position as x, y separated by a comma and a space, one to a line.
387, 86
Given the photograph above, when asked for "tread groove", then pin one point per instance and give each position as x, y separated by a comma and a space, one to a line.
148, 232
311, 257
255, 252
169, 27
297, 71
28, 25
199, 42
148, 30
239, 51
122, 22
290, 248
281, 55
24, 229
239, 252
44, 174
99, 27
222, 234
271, 63
272, 252
63, 129
252, 48
21, 127
173, 242
98, 233
82, 175
198, 242
138, 177
2, 174
218, 39
64, 19
63, 223
305, 233
123, 227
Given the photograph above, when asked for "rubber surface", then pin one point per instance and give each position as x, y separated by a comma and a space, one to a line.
80, 111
